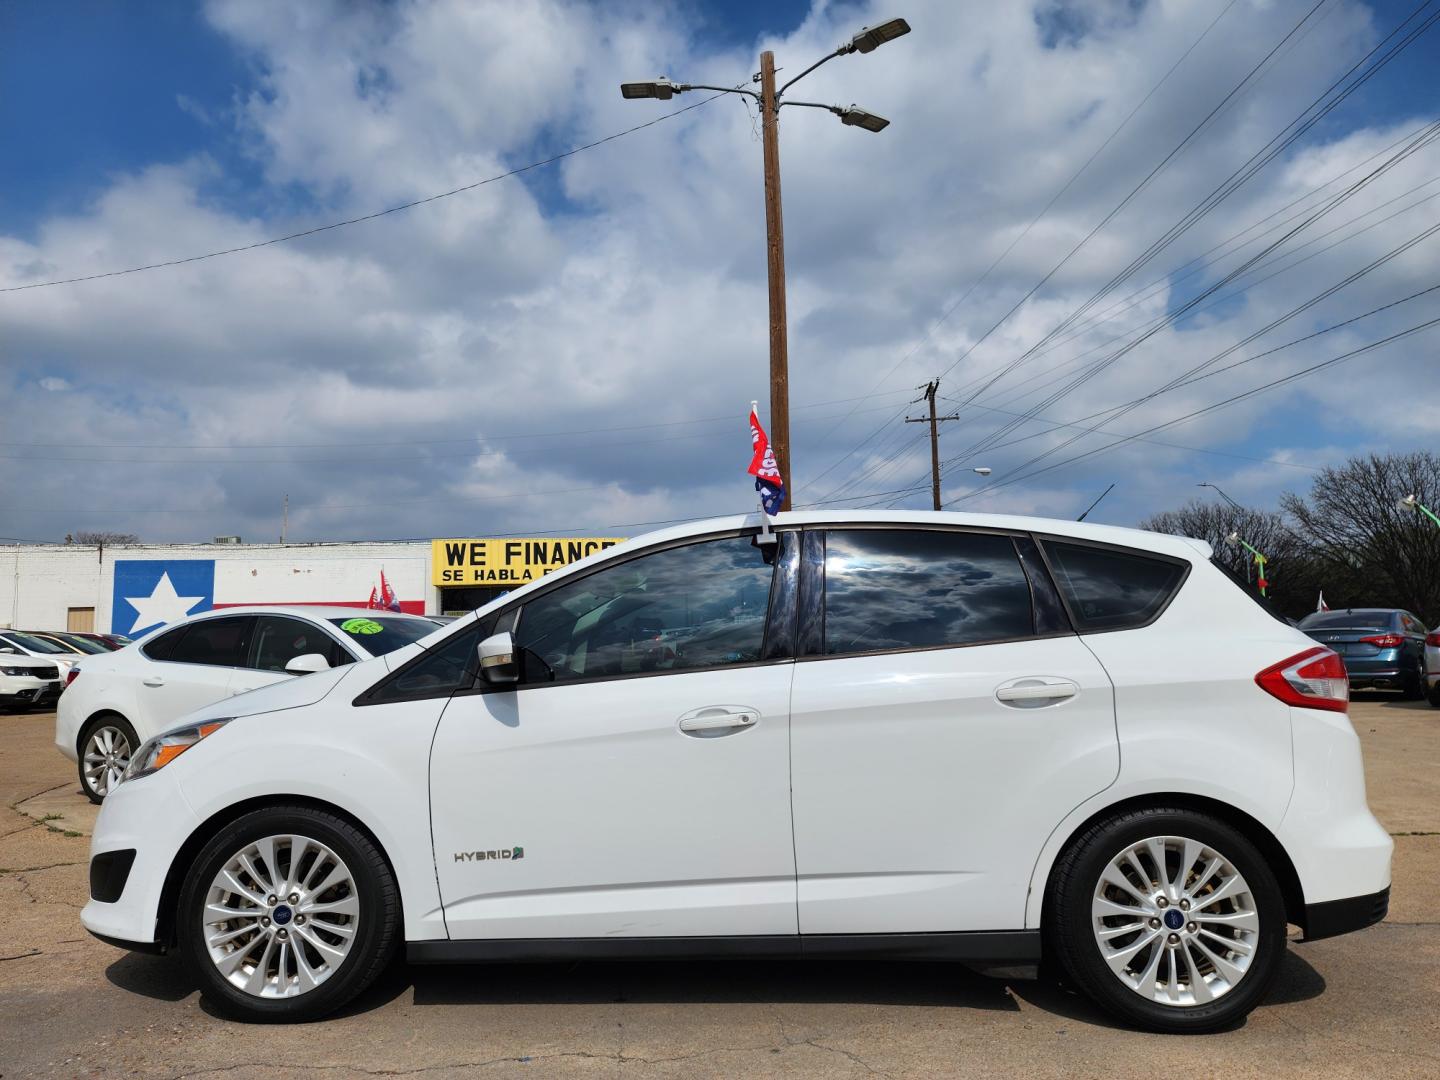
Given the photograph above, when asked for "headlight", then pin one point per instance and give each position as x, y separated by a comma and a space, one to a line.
163, 749
18, 670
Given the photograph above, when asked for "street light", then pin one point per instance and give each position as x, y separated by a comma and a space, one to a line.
661, 88
871, 38
1411, 503
1260, 582
770, 101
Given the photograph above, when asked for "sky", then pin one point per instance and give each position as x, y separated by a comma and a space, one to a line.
573, 349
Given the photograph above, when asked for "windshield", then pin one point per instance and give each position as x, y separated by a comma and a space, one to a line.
36, 645
80, 643
381, 634
1362, 617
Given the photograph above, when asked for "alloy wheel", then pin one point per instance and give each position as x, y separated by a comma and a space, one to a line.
1175, 921
107, 753
280, 916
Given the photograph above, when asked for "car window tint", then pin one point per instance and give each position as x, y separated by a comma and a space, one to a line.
380, 634
37, 645
1358, 618
217, 642
1110, 589
916, 589
278, 640
445, 668
698, 606
161, 646
84, 645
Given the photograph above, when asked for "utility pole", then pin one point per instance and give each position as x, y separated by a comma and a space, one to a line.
934, 422
775, 266
285, 519
769, 99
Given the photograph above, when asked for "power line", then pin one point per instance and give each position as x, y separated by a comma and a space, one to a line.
364, 217
1231, 184
1035, 220
1292, 377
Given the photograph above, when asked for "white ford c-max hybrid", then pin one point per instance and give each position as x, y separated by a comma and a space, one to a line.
922, 735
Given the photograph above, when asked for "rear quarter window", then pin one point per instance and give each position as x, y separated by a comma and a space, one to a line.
1109, 588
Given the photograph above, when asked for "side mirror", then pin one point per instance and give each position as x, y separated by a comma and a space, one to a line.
498, 664
307, 664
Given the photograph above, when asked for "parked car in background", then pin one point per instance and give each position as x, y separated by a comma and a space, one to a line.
72, 642
17, 642
110, 641
28, 682
1432, 667
944, 736
1383, 648
120, 699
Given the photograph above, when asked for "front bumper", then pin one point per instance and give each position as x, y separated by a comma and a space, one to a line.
31, 692
151, 817
1335, 917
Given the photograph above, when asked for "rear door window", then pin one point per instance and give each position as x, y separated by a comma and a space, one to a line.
221, 642
1109, 588
888, 589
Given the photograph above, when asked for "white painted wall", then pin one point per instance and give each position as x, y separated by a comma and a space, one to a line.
38, 583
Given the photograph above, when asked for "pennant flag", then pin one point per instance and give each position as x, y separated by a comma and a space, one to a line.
768, 481
1321, 605
384, 598
388, 598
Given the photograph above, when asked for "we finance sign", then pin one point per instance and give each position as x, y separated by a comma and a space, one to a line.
509, 562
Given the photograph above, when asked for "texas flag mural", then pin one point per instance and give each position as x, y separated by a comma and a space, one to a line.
153, 592
150, 593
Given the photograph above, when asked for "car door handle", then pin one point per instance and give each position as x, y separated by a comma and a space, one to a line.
1036, 691
718, 719
153, 680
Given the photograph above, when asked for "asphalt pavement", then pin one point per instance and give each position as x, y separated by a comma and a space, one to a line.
1365, 1005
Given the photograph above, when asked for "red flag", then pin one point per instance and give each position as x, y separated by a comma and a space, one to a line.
768, 481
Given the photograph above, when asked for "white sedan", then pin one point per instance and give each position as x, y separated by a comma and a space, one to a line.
18, 643
122, 698
931, 736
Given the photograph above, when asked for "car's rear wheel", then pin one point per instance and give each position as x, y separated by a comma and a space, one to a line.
287, 914
106, 744
1169, 918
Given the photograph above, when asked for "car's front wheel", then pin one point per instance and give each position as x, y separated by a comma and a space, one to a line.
1169, 918
106, 744
287, 914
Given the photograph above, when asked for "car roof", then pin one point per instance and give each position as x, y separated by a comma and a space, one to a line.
1165, 543
310, 611
1183, 547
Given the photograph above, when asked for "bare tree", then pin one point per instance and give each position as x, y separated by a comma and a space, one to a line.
1291, 581
101, 539
1358, 534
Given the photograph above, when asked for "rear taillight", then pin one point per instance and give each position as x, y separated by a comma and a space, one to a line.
1433, 638
1314, 679
1384, 641
72, 675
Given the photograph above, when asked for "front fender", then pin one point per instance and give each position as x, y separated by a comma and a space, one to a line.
371, 764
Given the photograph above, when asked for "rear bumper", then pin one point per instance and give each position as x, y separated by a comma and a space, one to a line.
1336, 917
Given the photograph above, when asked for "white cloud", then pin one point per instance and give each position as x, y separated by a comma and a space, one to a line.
52, 384
626, 286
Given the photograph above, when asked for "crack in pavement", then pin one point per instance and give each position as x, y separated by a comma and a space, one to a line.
36, 869
511, 1059
22, 956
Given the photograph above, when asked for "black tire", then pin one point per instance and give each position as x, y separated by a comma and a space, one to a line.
1434, 695
374, 942
1070, 936
122, 730
1413, 688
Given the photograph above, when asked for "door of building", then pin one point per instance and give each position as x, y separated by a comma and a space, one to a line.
80, 620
